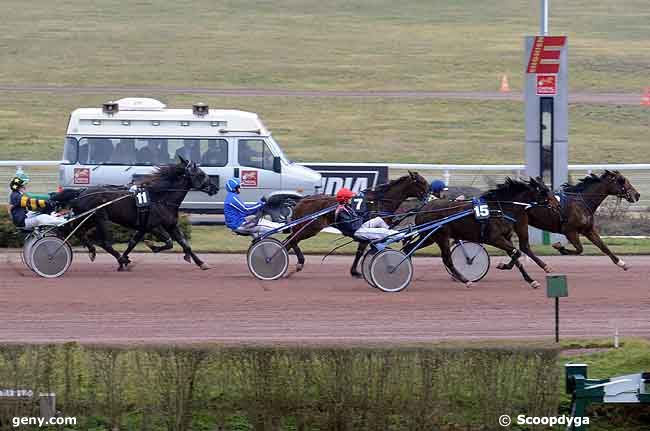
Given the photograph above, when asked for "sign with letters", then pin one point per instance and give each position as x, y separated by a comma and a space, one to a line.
355, 178
546, 85
81, 176
249, 178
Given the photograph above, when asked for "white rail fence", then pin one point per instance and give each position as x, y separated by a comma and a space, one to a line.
44, 174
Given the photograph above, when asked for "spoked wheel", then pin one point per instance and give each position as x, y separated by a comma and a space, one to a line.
27, 248
50, 257
365, 265
471, 260
391, 270
268, 259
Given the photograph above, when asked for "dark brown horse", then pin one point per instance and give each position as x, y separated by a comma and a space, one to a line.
578, 204
383, 200
512, 200
166, 188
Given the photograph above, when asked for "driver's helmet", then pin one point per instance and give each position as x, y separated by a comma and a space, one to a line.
233, 184
344, 195
18, 181
438, 186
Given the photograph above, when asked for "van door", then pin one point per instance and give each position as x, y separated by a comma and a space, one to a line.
255, 161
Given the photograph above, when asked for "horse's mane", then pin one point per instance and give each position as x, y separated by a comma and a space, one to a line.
383, 188
162, 175
583, 183
507, 190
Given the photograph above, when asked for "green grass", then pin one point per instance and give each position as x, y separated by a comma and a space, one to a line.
366, 44
220, 240
32, 127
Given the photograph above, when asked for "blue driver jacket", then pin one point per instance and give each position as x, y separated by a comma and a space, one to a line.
235, 210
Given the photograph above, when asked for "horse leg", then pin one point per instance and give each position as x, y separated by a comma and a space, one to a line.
301, 235
445, 252
574, 238
593, 236
524, 246
178, 236
135, 239
85, 241
162, 235
507, 246
293, 245
360, 250
103, 237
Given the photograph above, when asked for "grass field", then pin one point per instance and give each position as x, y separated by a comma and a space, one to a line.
366, 44
32, 127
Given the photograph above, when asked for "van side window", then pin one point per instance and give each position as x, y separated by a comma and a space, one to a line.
70, 150
214, 152
95, 151
124, 153
255, 153
188, 148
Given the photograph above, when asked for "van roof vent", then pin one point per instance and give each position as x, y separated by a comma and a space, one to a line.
140, 104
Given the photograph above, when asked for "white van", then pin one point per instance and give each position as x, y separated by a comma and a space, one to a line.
129, 137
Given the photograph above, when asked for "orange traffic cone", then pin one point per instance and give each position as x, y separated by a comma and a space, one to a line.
645, 99
505, 88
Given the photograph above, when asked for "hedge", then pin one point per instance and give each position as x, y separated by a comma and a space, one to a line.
10, 237
294, 388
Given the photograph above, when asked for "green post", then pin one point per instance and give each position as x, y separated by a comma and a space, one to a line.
546, 238
556, 287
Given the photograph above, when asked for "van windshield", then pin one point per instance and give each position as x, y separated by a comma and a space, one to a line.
138, 151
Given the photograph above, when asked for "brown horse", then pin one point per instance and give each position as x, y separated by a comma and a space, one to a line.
512, 200
382, 200
578, 204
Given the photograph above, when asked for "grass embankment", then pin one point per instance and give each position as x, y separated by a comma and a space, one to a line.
32, 127
444, 386
367, 44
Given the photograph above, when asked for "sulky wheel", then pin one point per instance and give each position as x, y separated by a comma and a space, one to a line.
268, 259
27, 248
471, 260
391, 270
50, 257
365, 265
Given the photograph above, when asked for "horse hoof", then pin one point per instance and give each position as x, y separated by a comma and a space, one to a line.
557, 245
92, 255
548, 269
535, 284
502, 266
469, 284
356, 274
622, 264
204, 266
187, 258
299, 267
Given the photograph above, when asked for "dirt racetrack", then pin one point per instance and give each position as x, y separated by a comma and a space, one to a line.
163, 299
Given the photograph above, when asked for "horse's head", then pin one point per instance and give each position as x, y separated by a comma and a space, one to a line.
541, 194
415, 186
619, 186
197, 177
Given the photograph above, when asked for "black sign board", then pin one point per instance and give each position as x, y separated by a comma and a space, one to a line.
355, 178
